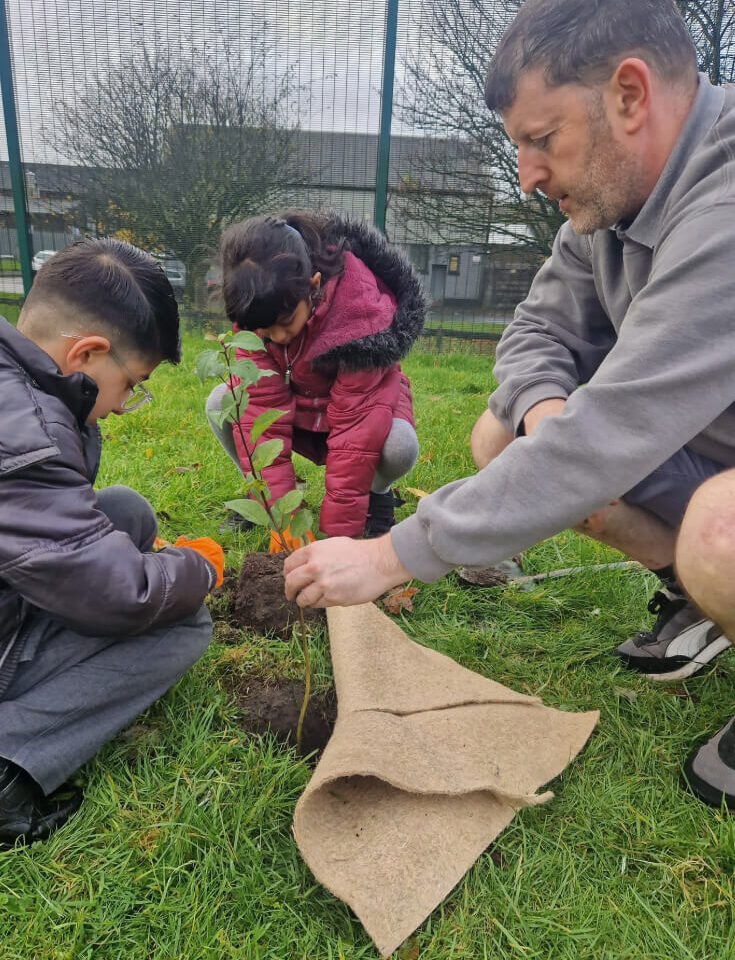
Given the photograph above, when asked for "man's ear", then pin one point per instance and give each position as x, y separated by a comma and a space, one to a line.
316, 282
82, 352
629, 94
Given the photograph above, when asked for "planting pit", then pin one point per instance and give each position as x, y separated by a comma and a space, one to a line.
259, 601
274, 708
256, 601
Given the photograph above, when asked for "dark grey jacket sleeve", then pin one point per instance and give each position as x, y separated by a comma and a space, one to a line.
557, 338
60, 552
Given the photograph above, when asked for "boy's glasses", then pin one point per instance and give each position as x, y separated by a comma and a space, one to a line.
139, 394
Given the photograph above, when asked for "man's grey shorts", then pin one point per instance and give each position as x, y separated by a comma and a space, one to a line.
667, 491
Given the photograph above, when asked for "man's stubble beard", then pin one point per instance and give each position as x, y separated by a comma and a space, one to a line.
612, 190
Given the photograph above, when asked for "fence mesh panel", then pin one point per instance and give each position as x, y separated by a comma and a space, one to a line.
161, 121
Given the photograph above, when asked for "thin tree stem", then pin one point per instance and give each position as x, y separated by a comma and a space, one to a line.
307, 678
303, 639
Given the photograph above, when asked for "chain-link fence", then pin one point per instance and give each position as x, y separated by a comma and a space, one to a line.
161, 121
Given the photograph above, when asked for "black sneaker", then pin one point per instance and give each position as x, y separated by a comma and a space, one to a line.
381, 513
710, 769
25, 813
234, 523
679, 644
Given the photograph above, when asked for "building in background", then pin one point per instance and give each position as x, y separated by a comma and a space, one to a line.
441, 211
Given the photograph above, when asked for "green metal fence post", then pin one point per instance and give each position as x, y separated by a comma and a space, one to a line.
16, 168
386, 113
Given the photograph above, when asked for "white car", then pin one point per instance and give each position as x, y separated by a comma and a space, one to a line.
40, 258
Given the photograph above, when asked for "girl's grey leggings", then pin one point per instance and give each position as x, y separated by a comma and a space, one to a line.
398, 456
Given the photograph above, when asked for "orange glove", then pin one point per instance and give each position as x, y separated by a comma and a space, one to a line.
293, 543
210, 550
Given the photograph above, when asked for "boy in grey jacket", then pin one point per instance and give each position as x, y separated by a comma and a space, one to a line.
609, 117
94, 626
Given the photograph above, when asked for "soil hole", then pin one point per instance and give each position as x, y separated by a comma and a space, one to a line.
275, 707
259, 601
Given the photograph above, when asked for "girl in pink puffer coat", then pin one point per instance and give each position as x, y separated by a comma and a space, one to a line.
337, 308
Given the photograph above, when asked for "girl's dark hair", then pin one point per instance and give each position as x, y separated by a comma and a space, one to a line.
268, 261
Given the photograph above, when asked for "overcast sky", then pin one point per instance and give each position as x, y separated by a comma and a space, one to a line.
335, 47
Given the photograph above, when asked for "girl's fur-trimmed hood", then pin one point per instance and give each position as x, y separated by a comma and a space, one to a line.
388, 346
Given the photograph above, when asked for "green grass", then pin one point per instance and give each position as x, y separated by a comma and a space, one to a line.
183, 847
10, 304
9, 265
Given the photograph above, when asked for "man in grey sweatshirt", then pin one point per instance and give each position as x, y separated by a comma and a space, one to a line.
637, 303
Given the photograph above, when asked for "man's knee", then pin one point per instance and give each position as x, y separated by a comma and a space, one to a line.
129, 512
705, 548
489, 438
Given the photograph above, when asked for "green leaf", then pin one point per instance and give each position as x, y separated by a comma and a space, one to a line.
246, 340
279, 518
289, 501
247, 371
208, 364
229, 401
218, 417
265, 420
251, 510
259, 486
266, 453
300, 523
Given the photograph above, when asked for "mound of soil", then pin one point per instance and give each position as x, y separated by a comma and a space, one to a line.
260, 603
275, 707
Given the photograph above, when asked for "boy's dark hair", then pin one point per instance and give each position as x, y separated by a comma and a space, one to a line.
120, 287
268, 261
582, 41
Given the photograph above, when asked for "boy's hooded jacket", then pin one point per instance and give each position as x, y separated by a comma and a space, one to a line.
59, 553
345, 385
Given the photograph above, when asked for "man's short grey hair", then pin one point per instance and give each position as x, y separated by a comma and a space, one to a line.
583, 41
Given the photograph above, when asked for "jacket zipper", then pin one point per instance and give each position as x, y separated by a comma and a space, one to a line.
290, 363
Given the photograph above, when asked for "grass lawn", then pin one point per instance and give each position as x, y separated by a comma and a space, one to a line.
10, 304
183, 847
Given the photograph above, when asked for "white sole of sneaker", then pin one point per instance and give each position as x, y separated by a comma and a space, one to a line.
704, 657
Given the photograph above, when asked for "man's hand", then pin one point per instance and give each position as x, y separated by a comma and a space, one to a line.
546, 408
341, 572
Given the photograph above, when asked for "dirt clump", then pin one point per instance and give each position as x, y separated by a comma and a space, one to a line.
260, 603
268, 707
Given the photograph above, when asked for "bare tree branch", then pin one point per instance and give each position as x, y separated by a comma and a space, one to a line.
172, 151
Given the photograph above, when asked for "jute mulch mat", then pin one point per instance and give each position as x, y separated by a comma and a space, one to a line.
427, 764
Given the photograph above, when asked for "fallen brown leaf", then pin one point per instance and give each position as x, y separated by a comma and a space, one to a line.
184, 469
400, 599
417, 493
409, 950
681, 694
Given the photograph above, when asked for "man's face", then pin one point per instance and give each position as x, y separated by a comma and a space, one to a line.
567, 149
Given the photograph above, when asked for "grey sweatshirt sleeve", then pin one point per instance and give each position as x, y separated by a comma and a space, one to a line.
558, 337
668, 376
